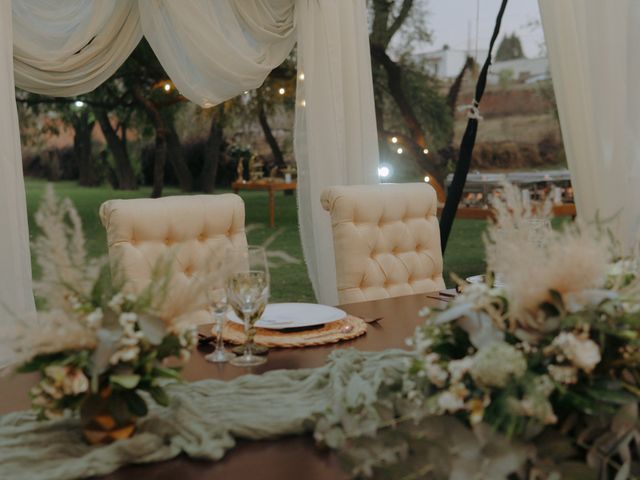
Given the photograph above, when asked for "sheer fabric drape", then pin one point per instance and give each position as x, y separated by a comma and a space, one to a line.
212, 50
69, 47
16, 299
336, 140
592, 47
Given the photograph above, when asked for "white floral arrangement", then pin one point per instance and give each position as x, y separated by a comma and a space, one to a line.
538, 378
97, 346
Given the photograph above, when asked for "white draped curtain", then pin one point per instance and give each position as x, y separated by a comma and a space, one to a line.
16, 298
595, 66
212, 50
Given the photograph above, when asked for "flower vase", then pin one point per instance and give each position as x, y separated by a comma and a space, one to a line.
99, 424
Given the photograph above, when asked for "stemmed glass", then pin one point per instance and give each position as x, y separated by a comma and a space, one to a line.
248, 294
538, 230
217, 299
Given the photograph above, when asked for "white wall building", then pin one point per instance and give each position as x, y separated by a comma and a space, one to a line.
527, 70
448, 62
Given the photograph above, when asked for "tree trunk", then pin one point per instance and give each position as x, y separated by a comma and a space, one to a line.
176, 157
213, 150
87, 170
160, 154
160, 158
268, 135
124, 171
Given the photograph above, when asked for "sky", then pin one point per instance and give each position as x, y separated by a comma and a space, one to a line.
450, 20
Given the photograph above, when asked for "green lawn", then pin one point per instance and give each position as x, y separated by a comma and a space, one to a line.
465, 254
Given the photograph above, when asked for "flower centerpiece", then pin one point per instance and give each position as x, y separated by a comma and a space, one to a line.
100, 349
538, 378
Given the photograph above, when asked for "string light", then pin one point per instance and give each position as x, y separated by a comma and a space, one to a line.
426, 179
425, 151
301, 76
384, 171
246, 92
394, 139
400, 150
281, 91
303, 103
167, 87
79, 103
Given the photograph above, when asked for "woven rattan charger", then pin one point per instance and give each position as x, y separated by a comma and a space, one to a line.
345, 329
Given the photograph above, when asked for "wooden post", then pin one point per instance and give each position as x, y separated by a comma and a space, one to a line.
272, 207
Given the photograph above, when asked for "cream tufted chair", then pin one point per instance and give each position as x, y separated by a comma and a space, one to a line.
140, 231
386, 239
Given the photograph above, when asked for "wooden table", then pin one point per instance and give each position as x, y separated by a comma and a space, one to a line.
271, 188
282, 459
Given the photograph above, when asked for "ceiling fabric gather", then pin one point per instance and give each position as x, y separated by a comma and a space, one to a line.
212, 50
69, 47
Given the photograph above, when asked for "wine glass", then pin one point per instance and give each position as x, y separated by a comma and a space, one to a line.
538, 231
217, 300
248, 294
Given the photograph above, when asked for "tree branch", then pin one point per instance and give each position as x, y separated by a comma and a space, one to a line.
399, 20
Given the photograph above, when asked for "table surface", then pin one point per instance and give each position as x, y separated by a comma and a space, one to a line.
279, 459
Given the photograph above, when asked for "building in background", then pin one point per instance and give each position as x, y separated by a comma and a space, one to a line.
520, 70
448, 62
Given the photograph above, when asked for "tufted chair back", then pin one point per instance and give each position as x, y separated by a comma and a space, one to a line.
141, 231
386, 239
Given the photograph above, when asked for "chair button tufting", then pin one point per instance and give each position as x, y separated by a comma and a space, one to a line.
201, 237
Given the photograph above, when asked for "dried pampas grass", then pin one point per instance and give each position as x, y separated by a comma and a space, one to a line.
66, 271
571, 260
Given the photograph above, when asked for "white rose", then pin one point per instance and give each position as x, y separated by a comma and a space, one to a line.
450, 402
564, 374
584, 353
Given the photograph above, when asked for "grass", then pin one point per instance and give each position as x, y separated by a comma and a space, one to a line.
465, 254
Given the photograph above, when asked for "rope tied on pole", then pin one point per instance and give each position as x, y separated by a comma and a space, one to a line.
474, 111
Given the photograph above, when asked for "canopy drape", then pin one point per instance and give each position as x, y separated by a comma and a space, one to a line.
336, 140
212, 50
592, 47
16, 298
69, 47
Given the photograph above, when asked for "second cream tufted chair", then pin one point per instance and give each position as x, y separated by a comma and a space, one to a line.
141, 231
386, 239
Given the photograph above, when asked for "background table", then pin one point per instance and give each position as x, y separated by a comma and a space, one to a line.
271, 187
285, 458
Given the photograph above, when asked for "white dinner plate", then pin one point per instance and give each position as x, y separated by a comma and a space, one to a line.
294, 315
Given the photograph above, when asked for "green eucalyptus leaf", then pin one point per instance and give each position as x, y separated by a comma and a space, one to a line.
135, 403
170, 346
125, 381
159, 395
617, 397
166, 373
